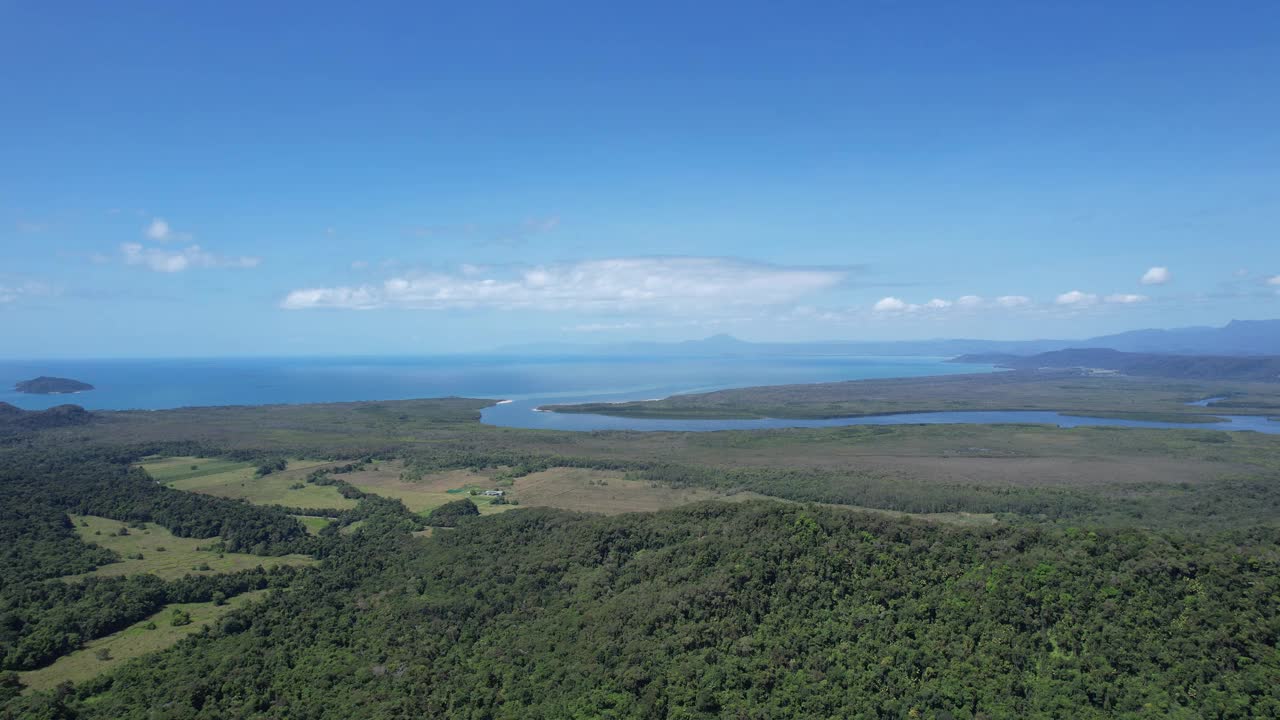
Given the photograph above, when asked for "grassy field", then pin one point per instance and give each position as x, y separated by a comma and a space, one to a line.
238, 481
1164, 476
313, 524
430, 492
610, 493
586, 490
179, 556
607, 492
132, 642
166, 470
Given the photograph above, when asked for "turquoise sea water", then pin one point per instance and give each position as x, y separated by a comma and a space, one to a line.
525, 382
158, 384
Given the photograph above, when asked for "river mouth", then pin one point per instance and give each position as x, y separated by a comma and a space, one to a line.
525, 414
1206, 402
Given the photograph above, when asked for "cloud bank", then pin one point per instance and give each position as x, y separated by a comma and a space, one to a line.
1126, 298
668, 284
171, 261
1068, 300
15, 292
1076, 298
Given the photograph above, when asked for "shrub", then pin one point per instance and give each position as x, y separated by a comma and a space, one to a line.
449, 514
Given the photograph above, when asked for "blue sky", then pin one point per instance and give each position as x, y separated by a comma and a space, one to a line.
228, 178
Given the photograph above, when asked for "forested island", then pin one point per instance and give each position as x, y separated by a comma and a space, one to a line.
45, 385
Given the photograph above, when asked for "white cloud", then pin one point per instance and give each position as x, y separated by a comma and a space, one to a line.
890, 304
1013, 301
159, 230
1126, 298
674, 284
14, 292
1274, 280
1076, 298
178, 260
1156, 276
964, 302
605, 327
652, 324
359, 264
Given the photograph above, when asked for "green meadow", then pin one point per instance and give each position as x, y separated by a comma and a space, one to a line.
108, 653
163, 553
239, 481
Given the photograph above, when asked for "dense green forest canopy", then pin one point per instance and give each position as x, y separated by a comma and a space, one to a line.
15, 420
757, 610
1123, 573
451, 513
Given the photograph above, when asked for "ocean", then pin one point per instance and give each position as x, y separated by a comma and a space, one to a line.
526, 382
167, 383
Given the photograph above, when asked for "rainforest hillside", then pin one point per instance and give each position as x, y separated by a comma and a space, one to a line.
758, 610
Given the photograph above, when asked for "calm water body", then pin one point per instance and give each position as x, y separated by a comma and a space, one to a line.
526, 382
158, 384
522, 414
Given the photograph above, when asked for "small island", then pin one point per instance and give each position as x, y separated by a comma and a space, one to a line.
45, 385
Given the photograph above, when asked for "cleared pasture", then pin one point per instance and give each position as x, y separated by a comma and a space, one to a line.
278, 488
428, 493
165, 470
132, 642
313, 524
163, 553
604, 491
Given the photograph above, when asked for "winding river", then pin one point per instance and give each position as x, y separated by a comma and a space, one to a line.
524, 414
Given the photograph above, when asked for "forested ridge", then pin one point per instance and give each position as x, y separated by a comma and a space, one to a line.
101, 481
756, 610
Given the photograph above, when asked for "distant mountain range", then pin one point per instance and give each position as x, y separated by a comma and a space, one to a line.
1186, 367
1239, 337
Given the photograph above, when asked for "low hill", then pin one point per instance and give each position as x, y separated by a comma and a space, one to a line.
1186, 367
45, 385
1238, 337
13, 419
